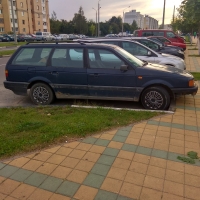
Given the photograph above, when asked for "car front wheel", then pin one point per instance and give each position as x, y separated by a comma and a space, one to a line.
155, 98
41, 94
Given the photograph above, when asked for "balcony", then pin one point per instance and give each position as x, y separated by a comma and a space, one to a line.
16, 25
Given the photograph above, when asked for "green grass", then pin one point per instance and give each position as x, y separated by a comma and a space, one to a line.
27, 129
7, 52
11, 44
196, 75
193, 49
194, 55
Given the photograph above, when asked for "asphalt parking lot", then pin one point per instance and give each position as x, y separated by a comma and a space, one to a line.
9, 99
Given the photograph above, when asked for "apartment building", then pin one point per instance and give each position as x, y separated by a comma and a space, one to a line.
30, 16
150, 22
142, 21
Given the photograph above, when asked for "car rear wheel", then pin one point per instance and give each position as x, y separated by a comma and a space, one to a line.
41, 94
155, 98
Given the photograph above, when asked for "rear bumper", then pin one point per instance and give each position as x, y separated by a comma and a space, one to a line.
16, 87
183, 91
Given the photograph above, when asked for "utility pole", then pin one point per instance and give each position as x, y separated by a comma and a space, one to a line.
163, 22
98, 18
174, 14
96, 21
123, 20
13, 20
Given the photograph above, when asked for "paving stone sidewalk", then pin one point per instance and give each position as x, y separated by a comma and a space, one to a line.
134, 162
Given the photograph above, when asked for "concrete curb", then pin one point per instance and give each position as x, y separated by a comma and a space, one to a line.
5, 56
141, 110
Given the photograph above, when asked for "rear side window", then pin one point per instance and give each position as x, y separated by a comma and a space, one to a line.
32, 57
67, 57
110, 42
147, 33
158, 33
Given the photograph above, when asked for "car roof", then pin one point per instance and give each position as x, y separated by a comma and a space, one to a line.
78, 44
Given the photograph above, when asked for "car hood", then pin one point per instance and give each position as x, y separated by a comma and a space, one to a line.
168, 69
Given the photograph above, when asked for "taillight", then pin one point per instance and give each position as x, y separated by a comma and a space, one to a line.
6, 73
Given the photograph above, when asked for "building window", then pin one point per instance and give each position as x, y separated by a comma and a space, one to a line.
16, 29
43, 8
21, 4
24, 30
38, 15
1, 29
0, 1
37, 7
1, 11
22, 13
12, 20
23, 21
43, 1
1, 21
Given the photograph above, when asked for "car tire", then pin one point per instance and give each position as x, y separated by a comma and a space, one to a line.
41, 94
155, 98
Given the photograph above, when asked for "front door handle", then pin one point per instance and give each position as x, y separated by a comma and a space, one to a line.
53, 73
95, 74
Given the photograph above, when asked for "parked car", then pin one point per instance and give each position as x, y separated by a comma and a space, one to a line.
168, 42
164, 45
7, 38
170, 35
142, 52
159, 48
93, 71
26, 38
44, 36
72, 37
64, 36
4, 39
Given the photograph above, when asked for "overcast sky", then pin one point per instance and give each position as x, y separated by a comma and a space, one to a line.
65, 9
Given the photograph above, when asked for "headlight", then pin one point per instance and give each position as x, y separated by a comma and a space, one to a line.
191, 83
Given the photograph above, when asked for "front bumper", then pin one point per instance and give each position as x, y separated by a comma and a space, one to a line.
16, 87
184, 91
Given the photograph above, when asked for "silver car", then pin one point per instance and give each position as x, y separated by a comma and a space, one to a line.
143, 52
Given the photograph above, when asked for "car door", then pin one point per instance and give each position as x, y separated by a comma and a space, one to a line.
105, 79
138, 51
68, 74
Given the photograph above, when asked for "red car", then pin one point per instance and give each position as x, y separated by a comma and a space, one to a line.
170, 35
168, 42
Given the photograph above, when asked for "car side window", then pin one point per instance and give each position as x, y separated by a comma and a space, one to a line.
158, 33
135, 49
147, 33
32, 57
170, 35
67, 57
105, 59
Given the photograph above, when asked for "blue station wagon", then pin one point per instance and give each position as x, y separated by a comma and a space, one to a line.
93, 71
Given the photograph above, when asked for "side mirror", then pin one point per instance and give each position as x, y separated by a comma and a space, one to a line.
124, 68
149, 53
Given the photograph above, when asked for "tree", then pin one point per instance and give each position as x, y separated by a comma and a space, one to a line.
54, 23
188, 18
80, 22
92, 29
134, 25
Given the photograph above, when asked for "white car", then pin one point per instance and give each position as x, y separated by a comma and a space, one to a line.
143, 52
64, 36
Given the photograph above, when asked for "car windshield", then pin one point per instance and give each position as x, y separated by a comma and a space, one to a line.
135, 61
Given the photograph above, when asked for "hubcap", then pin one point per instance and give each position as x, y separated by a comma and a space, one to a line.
41, 95
154, 100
